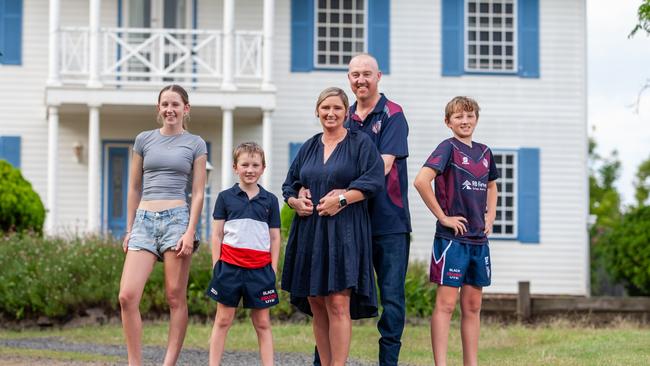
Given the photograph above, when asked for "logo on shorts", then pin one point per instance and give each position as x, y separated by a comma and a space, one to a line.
453, 273
214, 291
487, 266
269, 296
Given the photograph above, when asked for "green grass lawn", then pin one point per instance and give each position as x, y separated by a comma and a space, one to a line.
557, 343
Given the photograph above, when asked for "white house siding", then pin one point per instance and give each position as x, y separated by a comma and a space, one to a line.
22, 109
548, 113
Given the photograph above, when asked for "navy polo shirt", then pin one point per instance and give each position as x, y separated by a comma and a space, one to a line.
246, 239
387, 127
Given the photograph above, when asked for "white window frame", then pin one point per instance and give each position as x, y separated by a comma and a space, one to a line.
342, 65
501, 182
490, 43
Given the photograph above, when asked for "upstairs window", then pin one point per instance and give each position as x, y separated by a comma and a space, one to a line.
490, 36
341, 32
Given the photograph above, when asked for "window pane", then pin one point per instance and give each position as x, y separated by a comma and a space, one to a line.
496, 36
334, 4
496, 50
496, 8
347, 46
347, 4
471, 36
484, 8
347, 18
471, 7
322, 17
334, 59
334, 18
334, 46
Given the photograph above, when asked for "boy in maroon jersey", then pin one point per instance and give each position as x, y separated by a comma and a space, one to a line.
464, 203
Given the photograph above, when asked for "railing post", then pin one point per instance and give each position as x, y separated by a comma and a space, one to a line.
54, 47
267, 46
93, 49
523, 302
228, 45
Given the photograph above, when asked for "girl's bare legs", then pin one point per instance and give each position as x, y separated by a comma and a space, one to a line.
262, 322
440, 319
177, 272
137, 268
222, 322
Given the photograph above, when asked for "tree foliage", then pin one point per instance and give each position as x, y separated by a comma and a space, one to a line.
643, 15
626, 251
21, 208
605, 206
642, 183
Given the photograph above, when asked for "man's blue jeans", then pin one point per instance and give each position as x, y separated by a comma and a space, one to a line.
390, 258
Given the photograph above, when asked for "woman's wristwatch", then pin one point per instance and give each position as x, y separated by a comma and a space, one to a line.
342, 201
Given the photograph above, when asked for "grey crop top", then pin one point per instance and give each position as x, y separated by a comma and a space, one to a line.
167, 163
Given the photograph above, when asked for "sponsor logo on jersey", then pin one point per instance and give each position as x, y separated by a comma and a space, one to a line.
474, 185
376, 127
465, 160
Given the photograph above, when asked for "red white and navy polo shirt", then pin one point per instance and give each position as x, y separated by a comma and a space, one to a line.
246, 239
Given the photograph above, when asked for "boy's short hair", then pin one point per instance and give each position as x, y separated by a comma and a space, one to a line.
248, 148
461, 104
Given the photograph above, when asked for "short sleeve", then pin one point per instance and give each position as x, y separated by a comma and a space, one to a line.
370, 167
274, 213
439, 158
394, 136
138, 145
219, 212
200, 149
494, 172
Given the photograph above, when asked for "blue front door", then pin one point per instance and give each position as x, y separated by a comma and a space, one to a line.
117, 183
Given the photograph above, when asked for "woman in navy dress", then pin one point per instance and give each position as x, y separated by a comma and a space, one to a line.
328, 259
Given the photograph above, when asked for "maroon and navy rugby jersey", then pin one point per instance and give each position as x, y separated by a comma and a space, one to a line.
462, 175
246, 239
387, 127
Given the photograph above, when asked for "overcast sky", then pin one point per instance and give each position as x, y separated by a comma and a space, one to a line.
618, 69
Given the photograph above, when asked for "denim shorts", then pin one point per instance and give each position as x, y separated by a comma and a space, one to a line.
157, 232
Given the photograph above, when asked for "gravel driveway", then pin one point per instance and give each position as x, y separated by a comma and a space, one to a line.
152, 355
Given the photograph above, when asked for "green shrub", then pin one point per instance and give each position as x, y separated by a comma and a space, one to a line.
626, 251
286, 218
58, 278
21, 208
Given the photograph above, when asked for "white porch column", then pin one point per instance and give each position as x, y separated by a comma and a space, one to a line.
267, 138
54, 78
228, 45
94, 154
226, 148
267, 46
52, 167
93, 56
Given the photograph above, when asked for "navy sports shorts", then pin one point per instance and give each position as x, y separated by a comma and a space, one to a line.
456, 264
231, 283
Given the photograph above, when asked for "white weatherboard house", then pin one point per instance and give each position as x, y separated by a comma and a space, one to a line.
80, 79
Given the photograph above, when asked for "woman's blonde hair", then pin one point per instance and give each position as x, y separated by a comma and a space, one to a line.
332, 92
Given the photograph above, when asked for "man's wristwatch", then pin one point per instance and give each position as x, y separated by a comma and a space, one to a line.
342, 201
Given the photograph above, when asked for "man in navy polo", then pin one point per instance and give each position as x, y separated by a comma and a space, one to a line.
385, 123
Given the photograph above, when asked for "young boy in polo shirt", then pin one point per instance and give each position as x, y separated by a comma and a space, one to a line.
245, 251
465, 205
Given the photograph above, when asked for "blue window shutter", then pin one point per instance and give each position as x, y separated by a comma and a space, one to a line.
10, 150
528, 195
11, 27
302, 35
294, 147
379, 33
528, 32
453, 47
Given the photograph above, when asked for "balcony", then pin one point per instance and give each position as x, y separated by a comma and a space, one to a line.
152, 57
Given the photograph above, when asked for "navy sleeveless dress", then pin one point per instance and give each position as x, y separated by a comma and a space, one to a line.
327, 254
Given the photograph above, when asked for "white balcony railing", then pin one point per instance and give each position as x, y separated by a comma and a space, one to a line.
144, 56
